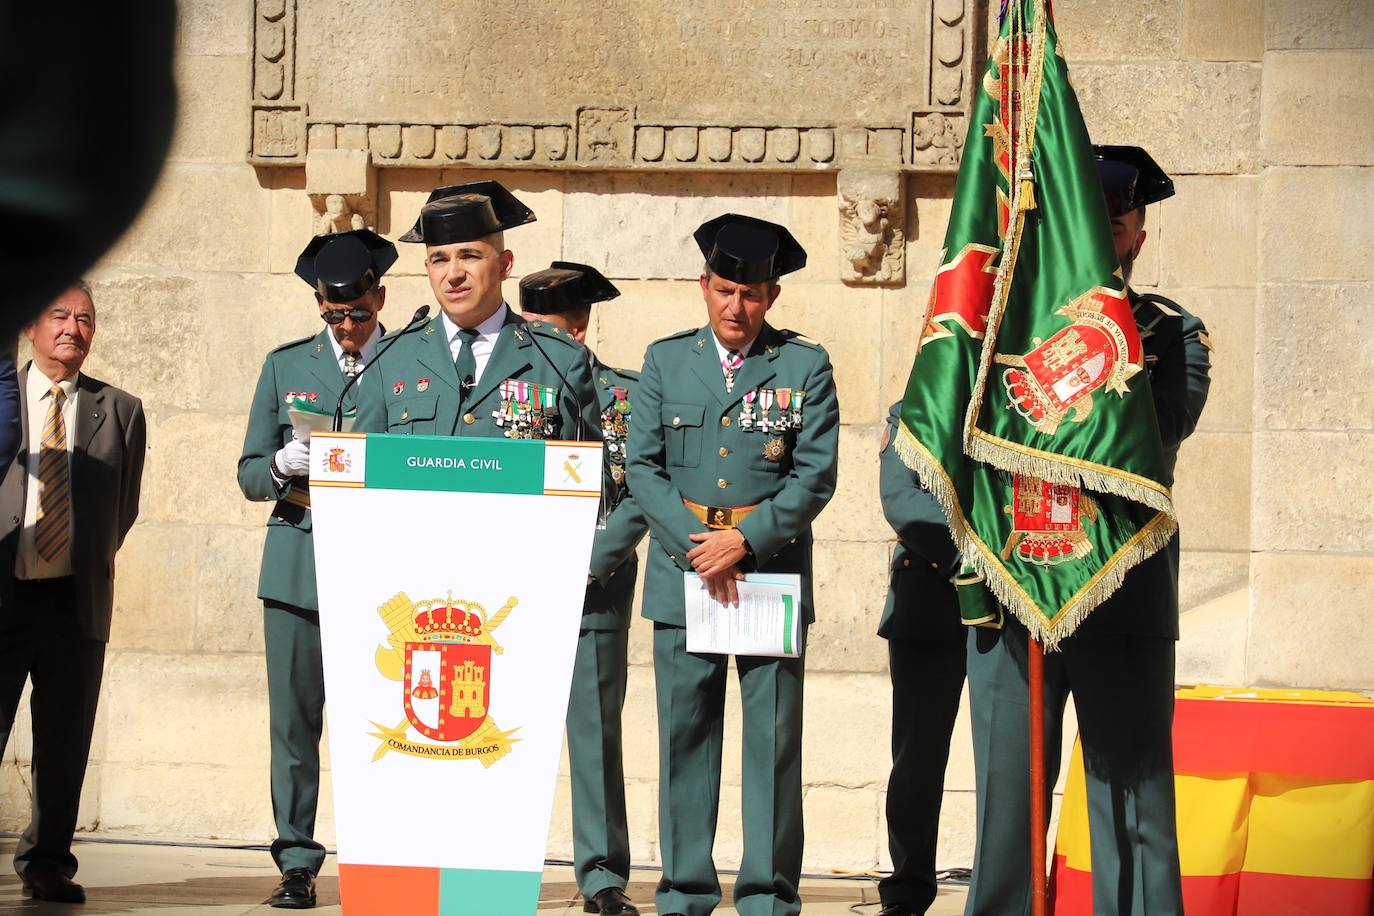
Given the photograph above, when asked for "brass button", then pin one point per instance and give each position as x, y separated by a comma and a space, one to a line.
469, 419
905, 564
677, 421
405, 414
722, 483
612, 575
934, 565
724, 421
724, 451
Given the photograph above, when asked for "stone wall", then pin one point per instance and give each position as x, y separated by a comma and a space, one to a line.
1261, 111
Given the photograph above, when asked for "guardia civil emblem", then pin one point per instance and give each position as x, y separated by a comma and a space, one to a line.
440, 651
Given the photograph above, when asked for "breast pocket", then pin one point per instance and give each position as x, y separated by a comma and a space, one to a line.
414, 415
682, 434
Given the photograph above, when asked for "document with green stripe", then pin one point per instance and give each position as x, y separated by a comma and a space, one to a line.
765, 623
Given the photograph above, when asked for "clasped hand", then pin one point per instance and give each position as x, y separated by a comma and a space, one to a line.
716, 560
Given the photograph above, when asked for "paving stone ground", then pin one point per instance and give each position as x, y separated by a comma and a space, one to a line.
168, 880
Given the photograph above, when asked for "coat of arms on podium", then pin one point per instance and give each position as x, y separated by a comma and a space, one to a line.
441, 651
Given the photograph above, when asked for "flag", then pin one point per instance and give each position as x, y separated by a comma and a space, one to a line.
1028, 413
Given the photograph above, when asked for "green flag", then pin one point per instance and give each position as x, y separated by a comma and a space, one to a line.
1028, 413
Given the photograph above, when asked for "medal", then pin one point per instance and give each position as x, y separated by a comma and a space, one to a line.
398, 386
499, 414
746, 415
618, 473
784, 415
796, 408
766, 400
422, 385
773, 449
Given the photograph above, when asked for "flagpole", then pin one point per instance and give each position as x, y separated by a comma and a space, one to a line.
1038, 828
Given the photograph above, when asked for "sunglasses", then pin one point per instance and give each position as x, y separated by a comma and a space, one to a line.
336, 316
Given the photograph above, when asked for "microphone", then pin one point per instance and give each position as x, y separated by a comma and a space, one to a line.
420, 315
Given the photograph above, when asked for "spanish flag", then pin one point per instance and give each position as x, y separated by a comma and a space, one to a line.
1275, 806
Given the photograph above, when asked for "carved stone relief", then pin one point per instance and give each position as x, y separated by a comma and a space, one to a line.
872, 227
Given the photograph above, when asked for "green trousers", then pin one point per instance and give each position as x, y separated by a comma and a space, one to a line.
1123, 693
691, 706
295, 700
927, 679
601, 838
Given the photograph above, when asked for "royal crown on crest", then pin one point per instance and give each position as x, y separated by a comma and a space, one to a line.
446, 620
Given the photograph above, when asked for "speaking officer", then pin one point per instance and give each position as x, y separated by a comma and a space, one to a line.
732, 457
925, 652
1119, 665
562, 296
345, 269
478, 368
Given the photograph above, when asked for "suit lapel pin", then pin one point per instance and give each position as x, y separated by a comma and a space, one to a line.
319, 347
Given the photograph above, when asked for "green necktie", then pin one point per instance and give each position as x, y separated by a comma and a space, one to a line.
466, 363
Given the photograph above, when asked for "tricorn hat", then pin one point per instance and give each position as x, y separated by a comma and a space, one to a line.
463, 212
342, 266
564, 286
1130, 178
748, 250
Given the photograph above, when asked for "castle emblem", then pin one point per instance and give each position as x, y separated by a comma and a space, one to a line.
1047, 522
451, 641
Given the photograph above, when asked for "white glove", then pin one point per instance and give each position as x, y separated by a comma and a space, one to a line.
293, 459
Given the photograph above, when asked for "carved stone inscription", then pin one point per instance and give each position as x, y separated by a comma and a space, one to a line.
760, 62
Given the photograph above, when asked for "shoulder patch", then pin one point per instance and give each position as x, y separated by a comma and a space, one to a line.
1205, 341
293, 343
1165, 309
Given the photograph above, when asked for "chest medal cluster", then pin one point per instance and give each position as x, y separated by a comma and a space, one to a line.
773, 412
528, 410
615, 429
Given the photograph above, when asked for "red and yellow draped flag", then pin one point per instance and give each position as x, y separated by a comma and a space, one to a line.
1027, 413
1275, 794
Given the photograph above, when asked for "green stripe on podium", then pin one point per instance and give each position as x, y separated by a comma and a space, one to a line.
471, 891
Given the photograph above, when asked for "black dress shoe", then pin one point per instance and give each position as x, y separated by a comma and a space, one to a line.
53, 886
611, 901
296, 890
897, 909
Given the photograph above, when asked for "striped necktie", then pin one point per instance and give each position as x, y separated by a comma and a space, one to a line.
53, 530
730, 363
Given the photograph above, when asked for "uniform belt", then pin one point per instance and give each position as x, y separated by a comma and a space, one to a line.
719, 516
297, 496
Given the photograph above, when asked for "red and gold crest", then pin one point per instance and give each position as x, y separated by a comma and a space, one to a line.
1047, 522
1100, 348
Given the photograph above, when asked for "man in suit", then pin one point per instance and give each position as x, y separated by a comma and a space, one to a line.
66, 504
10, 412
308, 376
733, 456
925, 651
562, 296
1119, 664
478, 368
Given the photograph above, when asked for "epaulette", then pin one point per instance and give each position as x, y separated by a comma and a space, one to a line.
630, 374
793, 336
554, 332
1166, 306
293, 343
687, 332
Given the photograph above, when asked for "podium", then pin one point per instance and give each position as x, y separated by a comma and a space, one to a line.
451, 577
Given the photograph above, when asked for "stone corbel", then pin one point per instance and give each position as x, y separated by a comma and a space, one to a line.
872, 226
342, 185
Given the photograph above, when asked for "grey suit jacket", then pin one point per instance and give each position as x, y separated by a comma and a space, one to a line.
107, 471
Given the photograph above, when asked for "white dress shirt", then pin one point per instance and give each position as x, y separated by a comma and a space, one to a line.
364, 355
723, 351
482, 344
27, 563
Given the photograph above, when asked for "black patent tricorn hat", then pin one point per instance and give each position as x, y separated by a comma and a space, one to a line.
1130, 178
463, 212
565, 286
342, 266
745, 249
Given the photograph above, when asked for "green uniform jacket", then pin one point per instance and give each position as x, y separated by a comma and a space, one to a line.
308, 367
687, 443
921, 603
413, 388
615, 566
1178, 358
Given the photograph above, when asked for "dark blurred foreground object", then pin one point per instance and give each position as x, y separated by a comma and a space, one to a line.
85, 122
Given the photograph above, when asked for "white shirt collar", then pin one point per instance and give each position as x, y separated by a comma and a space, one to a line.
369, 345
722, 350
39, 383
488, 329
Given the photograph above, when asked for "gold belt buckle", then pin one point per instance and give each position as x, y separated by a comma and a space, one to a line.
720, 517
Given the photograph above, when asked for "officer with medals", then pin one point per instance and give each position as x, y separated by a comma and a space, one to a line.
732, 456
925, 651
477, 368
562, 296
1119, 665
308, 375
